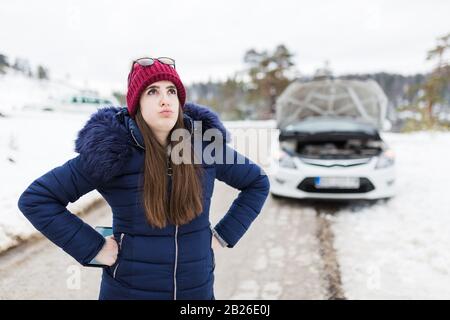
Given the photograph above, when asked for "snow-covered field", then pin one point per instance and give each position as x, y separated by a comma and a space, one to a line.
32, 143
18, 92
400, 249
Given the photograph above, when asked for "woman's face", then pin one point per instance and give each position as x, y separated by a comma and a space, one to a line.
159, 106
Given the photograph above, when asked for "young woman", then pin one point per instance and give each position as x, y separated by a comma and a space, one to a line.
163, 244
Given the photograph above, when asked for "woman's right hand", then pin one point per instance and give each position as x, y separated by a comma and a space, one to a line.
108, 254
215, 244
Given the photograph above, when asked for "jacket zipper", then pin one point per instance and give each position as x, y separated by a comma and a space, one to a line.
135, 140
175, 268
120, 247
169, 173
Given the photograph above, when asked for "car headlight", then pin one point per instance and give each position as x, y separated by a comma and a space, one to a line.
386, 159
285, 160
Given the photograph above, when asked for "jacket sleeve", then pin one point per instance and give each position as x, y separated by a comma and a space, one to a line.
44, 204
241, 173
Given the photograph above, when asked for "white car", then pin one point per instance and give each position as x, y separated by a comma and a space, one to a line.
329, 157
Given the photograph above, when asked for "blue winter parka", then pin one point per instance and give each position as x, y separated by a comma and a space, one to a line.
175, 262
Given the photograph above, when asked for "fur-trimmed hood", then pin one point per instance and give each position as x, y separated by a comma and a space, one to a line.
107, 140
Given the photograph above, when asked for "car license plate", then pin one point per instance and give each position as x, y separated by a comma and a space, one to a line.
337, 182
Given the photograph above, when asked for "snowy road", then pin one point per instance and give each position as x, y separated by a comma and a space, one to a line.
278, 258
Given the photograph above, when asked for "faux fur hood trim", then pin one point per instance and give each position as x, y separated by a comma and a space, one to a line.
107, 140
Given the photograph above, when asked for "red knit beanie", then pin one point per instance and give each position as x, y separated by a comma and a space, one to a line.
143, 76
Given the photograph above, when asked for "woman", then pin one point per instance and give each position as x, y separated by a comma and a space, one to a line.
163, 244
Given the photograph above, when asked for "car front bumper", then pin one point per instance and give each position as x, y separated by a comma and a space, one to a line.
297, 183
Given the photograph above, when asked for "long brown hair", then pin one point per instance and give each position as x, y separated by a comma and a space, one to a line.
186, 198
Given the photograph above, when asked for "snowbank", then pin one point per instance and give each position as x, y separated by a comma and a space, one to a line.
400, 249
32, 143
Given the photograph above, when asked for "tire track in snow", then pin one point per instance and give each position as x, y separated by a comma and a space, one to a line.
327, 251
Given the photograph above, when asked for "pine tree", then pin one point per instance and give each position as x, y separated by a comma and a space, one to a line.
268, 75
439, 79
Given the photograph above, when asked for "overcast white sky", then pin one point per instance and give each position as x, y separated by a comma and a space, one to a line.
95, 41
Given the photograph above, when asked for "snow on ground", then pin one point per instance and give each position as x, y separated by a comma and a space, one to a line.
31, 144
18, 91
400, 249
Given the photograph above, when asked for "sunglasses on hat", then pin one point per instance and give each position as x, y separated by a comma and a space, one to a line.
145, 62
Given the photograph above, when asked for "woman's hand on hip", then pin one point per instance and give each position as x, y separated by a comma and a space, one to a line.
108, 254
215, 244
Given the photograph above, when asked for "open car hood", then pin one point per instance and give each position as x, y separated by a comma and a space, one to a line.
360, 100
329, 129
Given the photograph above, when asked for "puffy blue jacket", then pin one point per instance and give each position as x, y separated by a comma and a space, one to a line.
176, 262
